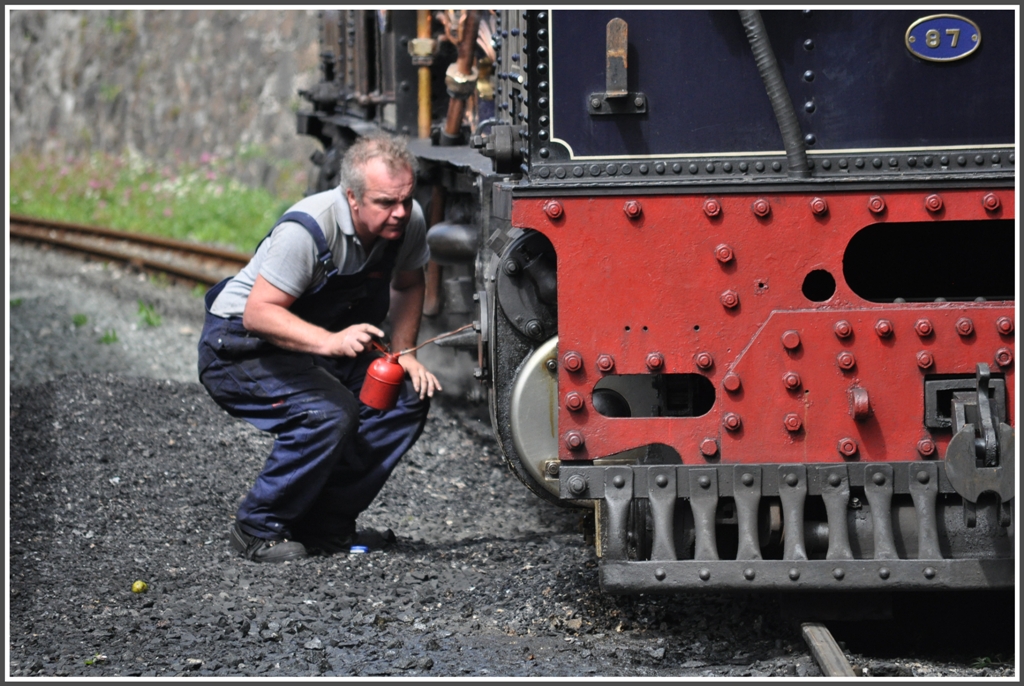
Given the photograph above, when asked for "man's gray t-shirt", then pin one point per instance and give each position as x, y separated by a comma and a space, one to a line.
287, 259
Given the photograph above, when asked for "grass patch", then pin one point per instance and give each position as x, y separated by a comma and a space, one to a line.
191, 201
79, 320
148, 315
109, 336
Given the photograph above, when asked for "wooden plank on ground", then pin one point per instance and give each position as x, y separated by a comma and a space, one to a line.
825, 650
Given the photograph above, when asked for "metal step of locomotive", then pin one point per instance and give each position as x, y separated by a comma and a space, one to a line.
791, 526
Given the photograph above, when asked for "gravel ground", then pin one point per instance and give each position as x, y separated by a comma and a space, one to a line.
122, 469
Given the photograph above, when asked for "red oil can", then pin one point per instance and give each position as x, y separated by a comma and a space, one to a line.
383, 382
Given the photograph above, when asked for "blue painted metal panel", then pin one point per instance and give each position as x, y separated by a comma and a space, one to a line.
695, 67
855, 85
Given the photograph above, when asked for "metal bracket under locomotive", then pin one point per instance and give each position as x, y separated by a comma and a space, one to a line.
741, 283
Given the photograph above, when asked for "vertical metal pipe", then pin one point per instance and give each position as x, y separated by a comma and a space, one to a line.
432, 297
423, 31
771, 75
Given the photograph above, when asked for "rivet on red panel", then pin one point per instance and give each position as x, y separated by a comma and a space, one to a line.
704, 360
708, 448
655, 361
883, 327
573, 439
731, 382
924, 327
792, 422
553, 209
574, 401
1004, 325
712, 207
605, 362
846, 360
633, 209
731, 421
572, 361
761, 207
791, 380
991, 202
730, 299
819, 206
724, 253
926, 447
1004, 357
843, 329
964, 326
847, 447
925, 359
791, 339
933, 203
876, 204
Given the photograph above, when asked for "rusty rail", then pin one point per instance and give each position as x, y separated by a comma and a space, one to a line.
192, 261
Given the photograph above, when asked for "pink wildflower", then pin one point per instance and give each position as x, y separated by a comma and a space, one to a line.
143, 186
168, 212
211, 176
94, 184
64, 171
205, 158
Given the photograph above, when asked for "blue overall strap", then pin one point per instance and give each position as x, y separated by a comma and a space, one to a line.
324, 255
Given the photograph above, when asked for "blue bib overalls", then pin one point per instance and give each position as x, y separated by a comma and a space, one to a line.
332, 454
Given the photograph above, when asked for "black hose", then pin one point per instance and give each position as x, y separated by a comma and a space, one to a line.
771, 75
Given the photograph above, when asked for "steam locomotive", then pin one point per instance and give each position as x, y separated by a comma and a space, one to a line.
742, 282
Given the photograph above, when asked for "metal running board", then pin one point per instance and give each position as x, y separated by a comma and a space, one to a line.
869, 565
619, 576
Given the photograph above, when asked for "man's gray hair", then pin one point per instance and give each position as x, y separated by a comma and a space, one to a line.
393, 150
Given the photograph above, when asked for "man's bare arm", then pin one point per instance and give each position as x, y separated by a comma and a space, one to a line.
267, 314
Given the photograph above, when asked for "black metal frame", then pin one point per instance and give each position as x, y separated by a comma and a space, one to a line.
615, 489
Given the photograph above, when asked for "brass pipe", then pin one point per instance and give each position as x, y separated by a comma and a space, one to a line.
423, 31
464, 64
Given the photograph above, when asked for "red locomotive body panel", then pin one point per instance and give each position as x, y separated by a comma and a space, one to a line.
718, 278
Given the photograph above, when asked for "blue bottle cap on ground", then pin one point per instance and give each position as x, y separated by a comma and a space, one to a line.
357, 549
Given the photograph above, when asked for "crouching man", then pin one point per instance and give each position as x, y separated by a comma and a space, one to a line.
286, 347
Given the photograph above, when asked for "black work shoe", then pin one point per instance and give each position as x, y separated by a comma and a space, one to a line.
363, 539
264, 550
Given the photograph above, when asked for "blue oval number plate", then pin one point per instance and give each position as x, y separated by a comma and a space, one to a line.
943, 37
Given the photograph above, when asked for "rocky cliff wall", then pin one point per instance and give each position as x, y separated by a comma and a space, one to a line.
167, 84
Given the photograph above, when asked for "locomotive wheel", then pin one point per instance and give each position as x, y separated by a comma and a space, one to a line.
534, 418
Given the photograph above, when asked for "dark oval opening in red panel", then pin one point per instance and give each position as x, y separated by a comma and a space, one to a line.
929, 261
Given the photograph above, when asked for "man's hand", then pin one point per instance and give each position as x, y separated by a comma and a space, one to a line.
351, 341
423, 381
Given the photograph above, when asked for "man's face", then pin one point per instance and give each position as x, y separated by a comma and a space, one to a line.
385, 208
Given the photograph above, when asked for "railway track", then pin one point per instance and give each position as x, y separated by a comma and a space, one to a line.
192, 262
